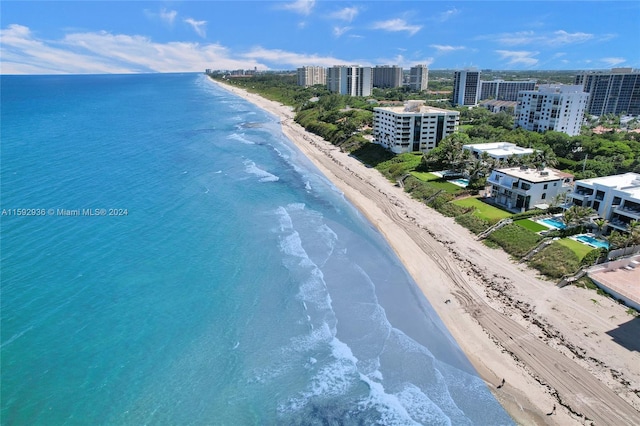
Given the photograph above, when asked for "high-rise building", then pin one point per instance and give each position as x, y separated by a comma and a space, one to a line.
614, 92
418, 78
351, 80
501, 90
414, 127
552, 107
466, 87
310, 76
386, 76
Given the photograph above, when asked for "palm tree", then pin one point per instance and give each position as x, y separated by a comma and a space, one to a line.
634, 233
600, 224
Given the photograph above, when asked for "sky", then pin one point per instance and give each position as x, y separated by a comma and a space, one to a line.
96, 37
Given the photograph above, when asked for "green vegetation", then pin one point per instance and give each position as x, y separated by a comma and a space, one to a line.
531, 225
347, 123
555, 260
515, 240
483, 210
579, 249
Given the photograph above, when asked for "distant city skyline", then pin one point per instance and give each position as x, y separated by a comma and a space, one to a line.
86, 37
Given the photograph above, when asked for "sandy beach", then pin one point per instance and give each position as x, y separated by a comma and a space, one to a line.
567, 356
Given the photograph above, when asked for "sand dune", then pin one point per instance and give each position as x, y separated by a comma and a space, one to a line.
553, 347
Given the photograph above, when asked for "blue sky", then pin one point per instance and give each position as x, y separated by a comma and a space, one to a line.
62, 37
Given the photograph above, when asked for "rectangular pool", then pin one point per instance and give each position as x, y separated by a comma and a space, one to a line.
552, 223
593, 242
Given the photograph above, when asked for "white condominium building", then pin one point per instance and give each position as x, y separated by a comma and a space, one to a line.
386, 76
498, 150
615, 92
522, 188
418, 78
350, 80
552, 107
310, 76
615, 198
466, 87
504, 90
414, 127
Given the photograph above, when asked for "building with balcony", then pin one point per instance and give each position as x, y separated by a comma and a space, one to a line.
615, 92
386, 76
350, 80
552, 107
498, 150
413, 127
418, 78
501, 90
615, 198
521, 188
466, 87
310, 76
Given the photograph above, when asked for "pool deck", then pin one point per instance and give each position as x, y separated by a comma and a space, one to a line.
621, 277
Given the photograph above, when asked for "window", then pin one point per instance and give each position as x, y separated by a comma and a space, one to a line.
545, 186
544, 195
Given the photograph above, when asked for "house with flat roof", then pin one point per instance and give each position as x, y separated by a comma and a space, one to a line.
498, 150
615, 198
522, 188
412, 127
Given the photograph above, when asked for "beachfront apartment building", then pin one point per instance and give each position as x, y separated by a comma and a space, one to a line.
466, 87
522, 188
552, 107
412, 127
418, 78
501, 90
615, 198
497, 150
387, 76
350, 80
615, 92
310, 76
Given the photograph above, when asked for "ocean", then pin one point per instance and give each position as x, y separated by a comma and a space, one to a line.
170, 257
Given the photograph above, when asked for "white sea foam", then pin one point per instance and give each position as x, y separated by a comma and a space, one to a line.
240, 138
265, 176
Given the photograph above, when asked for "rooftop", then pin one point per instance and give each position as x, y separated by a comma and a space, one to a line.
535, 175
622, 277
499, 149
415, 108
627, 182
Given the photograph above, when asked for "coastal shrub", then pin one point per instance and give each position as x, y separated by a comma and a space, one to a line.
515, 240
472, 222
593, 256
418, 189
528, 214
452, 210
372, 154
398, 165
555, 261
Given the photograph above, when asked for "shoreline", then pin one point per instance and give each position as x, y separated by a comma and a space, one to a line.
546, 343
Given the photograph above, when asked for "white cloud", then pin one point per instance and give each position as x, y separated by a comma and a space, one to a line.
520, 57
403, 62
303, 7
612, 62
200, 27
103, 52
347, 14
339, 31
446, 48
554, 39
166, 16
293, 59
396, 25
445, 16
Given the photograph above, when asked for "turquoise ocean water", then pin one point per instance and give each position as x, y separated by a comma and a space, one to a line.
179, 262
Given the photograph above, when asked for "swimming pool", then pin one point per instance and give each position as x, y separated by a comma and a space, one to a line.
552, 223
594, 242
460, 182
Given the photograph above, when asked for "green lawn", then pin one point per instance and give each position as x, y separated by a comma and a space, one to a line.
531, 225
483, 210
437, 182
425, 177
579, 249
